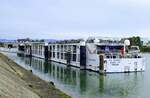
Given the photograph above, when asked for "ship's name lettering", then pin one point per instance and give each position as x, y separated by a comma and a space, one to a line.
115, 62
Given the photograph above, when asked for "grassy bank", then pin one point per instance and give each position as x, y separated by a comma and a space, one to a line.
28, 85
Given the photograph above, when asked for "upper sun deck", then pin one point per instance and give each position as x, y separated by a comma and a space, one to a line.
67, 42
100, 41
105, 41
95, 40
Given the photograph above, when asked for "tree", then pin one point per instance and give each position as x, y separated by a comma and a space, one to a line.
135, 41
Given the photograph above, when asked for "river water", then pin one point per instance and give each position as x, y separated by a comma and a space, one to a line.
85, 84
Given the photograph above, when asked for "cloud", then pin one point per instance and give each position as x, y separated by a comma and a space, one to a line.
73, 18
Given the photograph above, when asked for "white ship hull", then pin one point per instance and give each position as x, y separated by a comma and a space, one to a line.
121, 65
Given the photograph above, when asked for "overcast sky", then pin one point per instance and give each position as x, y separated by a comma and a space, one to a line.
60, 19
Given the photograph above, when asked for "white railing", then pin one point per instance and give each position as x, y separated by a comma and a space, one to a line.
118, 54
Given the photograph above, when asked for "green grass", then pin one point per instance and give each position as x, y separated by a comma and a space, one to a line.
63, 95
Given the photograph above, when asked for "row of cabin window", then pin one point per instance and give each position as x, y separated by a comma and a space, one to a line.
40, 47
37, 49
39, 52
63, 48
113, 49
63, 56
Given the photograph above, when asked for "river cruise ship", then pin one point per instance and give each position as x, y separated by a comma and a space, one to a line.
104, 55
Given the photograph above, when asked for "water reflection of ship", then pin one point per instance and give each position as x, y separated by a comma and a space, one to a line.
125, 85
87, 82
28, 61
56, 70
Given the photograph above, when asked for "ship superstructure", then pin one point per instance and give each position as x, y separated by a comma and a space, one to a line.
105, 55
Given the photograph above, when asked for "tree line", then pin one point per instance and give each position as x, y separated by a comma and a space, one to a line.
136, 41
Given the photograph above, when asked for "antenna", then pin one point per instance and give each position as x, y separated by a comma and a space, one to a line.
127, 42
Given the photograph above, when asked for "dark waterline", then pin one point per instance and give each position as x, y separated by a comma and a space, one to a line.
85, 84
